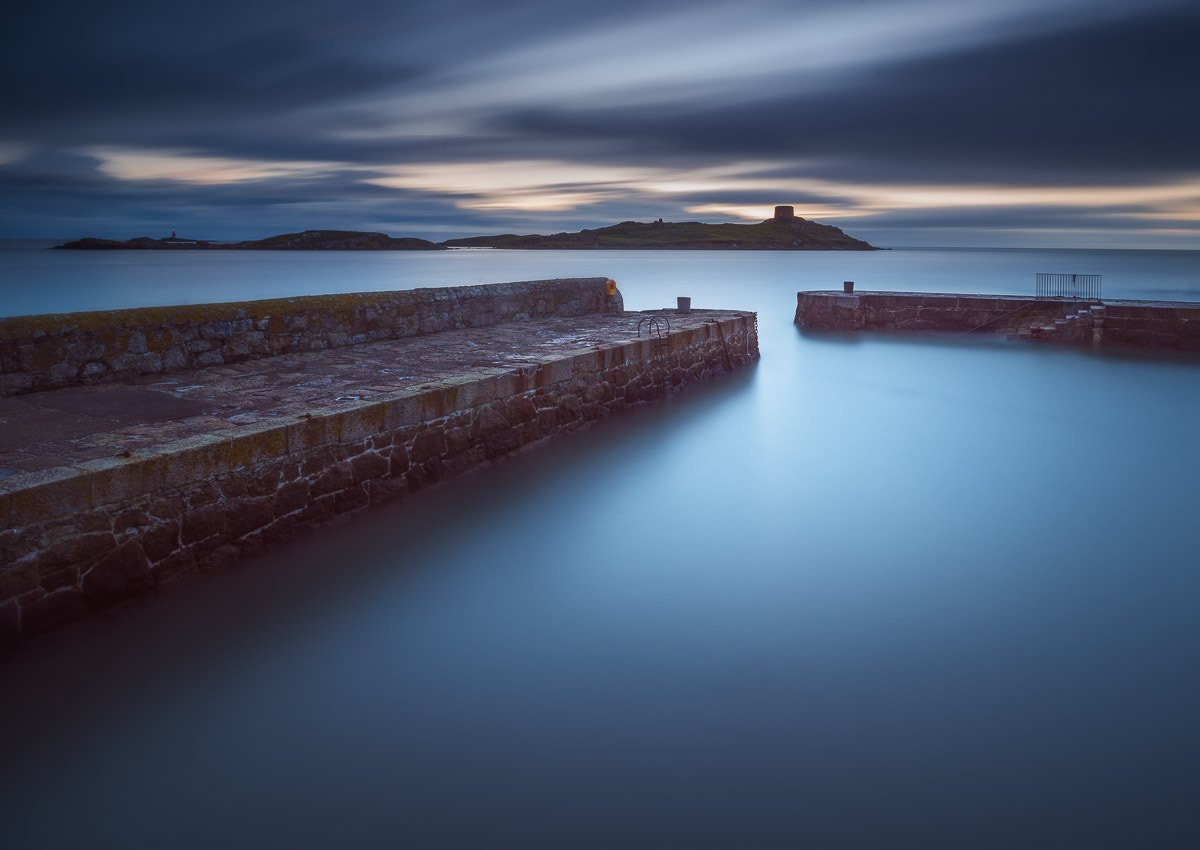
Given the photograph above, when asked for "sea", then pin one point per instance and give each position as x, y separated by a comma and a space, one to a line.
879, 591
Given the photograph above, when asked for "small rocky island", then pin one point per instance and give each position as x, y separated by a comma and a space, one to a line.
784, 232
309, 240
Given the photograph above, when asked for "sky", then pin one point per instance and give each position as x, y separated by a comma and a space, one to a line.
1072, 123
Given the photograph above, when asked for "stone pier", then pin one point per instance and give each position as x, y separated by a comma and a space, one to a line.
141, 447
1173, 325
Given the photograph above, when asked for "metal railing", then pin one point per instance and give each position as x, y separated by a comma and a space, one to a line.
1082, 287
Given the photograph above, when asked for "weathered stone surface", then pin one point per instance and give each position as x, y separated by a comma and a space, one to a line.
42, 495
205, 493
123, 573
201, 523
317, 510
76, 549
399, 461
119, 479
130, 520
18, 580
502, 442
161, 541
428, 444
10, 626
291, 497
521, 410
220, 558
488, 420
168, 508
256, 444
52, 610
266, 482
335, 478
366, 466
248, 515
175, 566
458, 440
383, 490
54, 579
351, 499
233, 488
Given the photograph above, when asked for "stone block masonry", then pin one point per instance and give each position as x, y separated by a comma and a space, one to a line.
62, 349
1168, 325
82, 536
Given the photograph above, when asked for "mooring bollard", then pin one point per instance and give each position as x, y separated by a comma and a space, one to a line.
685, 303
848, 285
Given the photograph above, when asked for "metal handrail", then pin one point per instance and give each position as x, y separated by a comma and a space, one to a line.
1083, 287
653, 325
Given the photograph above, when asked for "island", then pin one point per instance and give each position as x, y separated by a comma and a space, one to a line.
309, 240
784, 232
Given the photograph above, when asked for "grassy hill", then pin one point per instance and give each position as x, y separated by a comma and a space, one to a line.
336, 240
795, 234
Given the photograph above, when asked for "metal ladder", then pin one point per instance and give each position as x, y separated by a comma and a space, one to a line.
658, 331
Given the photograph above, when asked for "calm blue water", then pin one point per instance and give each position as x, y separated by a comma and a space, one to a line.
880, 592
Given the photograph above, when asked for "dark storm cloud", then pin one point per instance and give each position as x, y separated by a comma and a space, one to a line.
1110, 102
233, 79
327, 98
128, 76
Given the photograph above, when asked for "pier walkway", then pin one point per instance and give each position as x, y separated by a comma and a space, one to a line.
71, 425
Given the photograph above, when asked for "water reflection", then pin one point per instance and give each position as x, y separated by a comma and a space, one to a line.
890, 592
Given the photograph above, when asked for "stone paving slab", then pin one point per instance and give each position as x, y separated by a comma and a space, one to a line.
54, 428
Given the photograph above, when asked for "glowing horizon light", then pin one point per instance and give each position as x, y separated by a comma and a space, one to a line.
761, 213
534, 202
13, 151
183, 167
926, 197
546, 185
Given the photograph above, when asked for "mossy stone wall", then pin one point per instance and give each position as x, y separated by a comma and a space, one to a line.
62, 349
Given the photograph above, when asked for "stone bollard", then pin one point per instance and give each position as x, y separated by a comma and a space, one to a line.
684, 303
847, 286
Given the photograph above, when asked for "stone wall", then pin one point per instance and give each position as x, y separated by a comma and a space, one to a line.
1157, 324
60, 349
919, 311
1152, 324
80, 539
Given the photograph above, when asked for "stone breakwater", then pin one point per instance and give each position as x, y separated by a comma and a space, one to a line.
1116, 323
62, 349
108, 517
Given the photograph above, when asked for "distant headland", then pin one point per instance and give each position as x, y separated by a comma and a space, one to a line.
784, 232
309, 240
